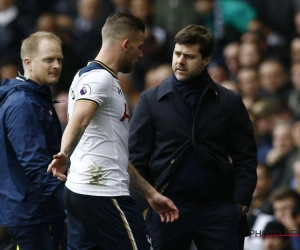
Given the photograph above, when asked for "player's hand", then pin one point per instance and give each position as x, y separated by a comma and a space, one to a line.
166, 209
58, 166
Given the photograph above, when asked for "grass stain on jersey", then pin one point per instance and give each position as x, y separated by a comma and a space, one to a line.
97, 175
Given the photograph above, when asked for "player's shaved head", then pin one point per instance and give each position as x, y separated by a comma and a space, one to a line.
120, 24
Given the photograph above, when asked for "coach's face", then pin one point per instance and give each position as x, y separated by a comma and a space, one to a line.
133, 51
187, 61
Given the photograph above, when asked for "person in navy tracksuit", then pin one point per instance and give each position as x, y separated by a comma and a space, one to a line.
31, 200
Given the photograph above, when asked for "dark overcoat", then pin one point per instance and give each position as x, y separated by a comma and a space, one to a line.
162, 129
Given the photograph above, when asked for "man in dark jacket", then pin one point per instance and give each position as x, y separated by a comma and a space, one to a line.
193, 140
31, 200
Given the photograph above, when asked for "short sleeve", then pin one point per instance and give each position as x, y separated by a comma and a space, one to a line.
94, 86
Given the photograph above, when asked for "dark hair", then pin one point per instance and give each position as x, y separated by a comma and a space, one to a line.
120, 23
266, 107
6, 61
197, 34
274, 228
284, 193
296, 209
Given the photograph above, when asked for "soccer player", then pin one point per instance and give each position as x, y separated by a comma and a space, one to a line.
101, 213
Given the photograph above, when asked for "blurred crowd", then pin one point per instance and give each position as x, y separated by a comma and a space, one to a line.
257, 54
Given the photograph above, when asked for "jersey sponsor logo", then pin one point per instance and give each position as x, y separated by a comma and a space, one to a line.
72, 94
120, 91
85, 90
126, 114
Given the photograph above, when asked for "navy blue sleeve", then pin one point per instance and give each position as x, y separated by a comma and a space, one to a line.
243, 153
141, 136
27, 136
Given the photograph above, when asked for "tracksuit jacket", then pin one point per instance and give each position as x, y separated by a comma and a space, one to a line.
30, 134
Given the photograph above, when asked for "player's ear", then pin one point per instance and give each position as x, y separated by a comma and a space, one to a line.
125, 44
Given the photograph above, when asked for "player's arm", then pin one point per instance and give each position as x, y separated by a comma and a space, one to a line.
162, 205
81, 117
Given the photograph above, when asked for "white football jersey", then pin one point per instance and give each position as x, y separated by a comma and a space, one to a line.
99, 162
